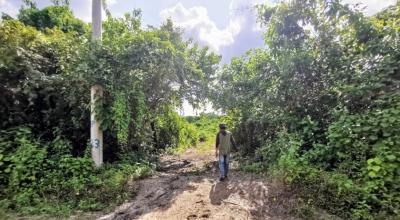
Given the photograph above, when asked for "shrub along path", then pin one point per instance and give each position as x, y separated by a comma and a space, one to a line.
186, 187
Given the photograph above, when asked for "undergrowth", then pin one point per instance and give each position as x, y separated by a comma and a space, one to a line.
44, 178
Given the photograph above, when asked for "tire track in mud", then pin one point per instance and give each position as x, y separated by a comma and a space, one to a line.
186, 187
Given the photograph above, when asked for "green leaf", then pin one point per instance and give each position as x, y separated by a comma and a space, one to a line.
366, 128
373, 137
391, 157
371, 174
386, 134
376, 168
370, 161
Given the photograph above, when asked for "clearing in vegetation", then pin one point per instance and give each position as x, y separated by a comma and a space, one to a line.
187, 187
315, 114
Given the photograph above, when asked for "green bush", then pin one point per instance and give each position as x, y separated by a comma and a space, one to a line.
365, 149
36, 182
320, 105
174, 131
273, 151
47, 62
21, 163
355, 175
207, 126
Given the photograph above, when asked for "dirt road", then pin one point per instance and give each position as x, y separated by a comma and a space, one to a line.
187, 187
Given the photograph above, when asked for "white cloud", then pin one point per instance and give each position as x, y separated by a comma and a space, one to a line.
111, 2
242, 31
371, 6
9, 7
243, 13
83, 9
198, 25
240, 34
188, 110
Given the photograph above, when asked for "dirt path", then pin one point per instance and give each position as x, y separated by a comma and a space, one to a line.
187, 188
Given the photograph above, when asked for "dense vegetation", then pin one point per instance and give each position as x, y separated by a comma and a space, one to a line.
206, 127
320, 105
47, 65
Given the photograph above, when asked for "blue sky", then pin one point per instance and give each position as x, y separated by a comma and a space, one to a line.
228, 27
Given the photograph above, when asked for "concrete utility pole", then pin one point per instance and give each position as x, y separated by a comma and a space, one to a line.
96, 92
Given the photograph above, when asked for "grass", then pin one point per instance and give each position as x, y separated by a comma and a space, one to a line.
206, 126
204, 147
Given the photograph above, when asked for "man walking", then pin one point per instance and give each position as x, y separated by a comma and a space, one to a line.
223, 144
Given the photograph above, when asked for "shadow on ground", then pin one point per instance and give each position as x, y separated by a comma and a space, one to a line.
187, 188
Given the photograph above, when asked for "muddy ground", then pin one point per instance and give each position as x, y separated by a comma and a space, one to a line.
187, 187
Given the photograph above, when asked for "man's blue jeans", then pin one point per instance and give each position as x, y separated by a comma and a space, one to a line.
224, 165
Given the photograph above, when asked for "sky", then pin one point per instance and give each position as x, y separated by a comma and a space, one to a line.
227, 27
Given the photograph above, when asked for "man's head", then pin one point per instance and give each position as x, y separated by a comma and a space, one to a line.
222, 127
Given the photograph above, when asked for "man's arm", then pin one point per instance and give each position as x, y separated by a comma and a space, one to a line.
233, 142
216, 145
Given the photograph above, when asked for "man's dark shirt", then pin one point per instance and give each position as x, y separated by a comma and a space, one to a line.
217, 140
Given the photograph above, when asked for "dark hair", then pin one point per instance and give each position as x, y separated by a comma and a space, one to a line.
222, 126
